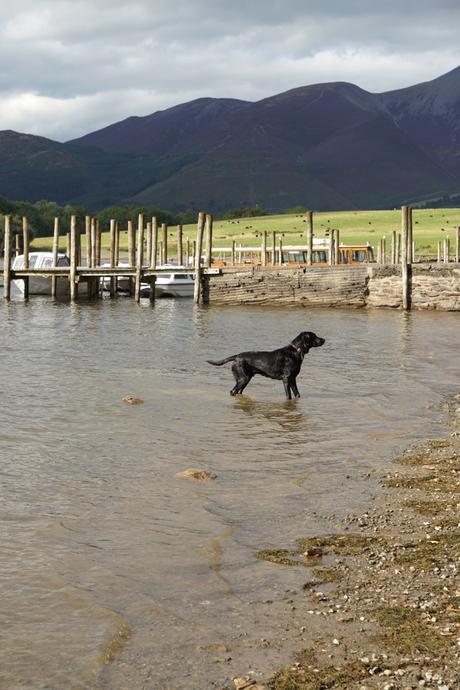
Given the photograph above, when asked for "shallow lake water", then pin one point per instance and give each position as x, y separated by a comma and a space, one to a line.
115, 572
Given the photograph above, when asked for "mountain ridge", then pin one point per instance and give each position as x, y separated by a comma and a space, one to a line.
330, 145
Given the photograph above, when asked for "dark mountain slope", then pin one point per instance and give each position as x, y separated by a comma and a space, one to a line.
325, 146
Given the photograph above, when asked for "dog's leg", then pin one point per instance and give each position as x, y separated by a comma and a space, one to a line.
243, 383
287, 388
293, 386
237, 374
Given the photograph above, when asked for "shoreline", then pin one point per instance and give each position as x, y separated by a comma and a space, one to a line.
384, 588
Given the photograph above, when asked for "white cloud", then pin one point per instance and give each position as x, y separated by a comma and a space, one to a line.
69, 67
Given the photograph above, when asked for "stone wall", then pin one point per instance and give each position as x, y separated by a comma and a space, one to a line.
433, 286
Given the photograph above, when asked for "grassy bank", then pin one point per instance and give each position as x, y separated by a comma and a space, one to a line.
356, 227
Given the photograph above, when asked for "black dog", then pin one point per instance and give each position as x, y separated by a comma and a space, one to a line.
283, 364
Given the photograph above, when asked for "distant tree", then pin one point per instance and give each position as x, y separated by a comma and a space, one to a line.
243, 212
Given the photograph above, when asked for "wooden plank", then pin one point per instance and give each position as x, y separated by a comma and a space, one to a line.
139, 257
197, 294
7, 254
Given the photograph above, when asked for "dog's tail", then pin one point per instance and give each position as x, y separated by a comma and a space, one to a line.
221, 361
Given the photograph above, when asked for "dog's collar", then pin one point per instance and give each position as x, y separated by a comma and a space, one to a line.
299, 349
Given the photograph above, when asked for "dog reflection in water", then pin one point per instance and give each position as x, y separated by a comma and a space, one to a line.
283, 364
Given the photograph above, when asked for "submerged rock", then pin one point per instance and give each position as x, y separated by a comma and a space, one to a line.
131, 400
200, 475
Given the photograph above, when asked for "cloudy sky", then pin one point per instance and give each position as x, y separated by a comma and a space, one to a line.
68, 67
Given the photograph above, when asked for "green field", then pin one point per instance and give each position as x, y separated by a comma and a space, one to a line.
356, 227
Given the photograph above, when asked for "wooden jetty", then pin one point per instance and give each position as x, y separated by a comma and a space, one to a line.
148, 254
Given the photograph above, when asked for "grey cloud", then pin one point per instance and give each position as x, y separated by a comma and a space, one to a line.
96, 62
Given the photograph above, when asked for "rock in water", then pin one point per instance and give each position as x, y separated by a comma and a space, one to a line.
131, 400
200, 475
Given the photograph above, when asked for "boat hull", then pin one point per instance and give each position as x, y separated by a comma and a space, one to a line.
41, 285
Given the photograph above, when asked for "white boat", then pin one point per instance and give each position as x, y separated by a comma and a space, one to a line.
41, 285
123, 283
171, 284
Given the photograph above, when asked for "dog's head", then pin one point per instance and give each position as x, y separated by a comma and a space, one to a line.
306, 340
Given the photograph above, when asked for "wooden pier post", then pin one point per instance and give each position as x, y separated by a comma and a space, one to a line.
117, 244
88, 240
180, 250
73, 259
197, 295
280, 251
439, 251
8, 250
153, 256
139, 257
17, 244
446, 250
393, 247
233, 255
67, 244
384, 249
98, 242
93, 242
405, 266
113, 282
398, 247
55, 256
263, 250
164, 244
337, 247
131, 245
331, 247
148, 247
410, 239
187, 251
208, 240
457, 246
26, 250
309, 238
273, 247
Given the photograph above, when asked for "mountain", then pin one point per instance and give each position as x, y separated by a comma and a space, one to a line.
333, 146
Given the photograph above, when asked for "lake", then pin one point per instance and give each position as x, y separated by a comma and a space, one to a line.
115, 572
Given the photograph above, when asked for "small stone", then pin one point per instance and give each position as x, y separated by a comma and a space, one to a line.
200, 475
131, 400
244, 682
335, 641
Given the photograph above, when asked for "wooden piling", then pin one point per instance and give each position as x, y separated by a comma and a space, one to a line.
8, 250
457, 246
98, 242
273, 248
88, 240
263, 250
131, 245
73, 259
393, 247
148, 248
410, 238
17, 244
180, 250
233, 255
55, 256
113, 283
446, 250
405, 266
331, 248
309, 238
337, 247
153, 256
439, 251
384, 249
26, 250
93, 242
197, 295
208, 240
117, 243
139, 257
164, 244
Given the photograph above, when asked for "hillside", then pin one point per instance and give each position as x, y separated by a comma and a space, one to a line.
323, 146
